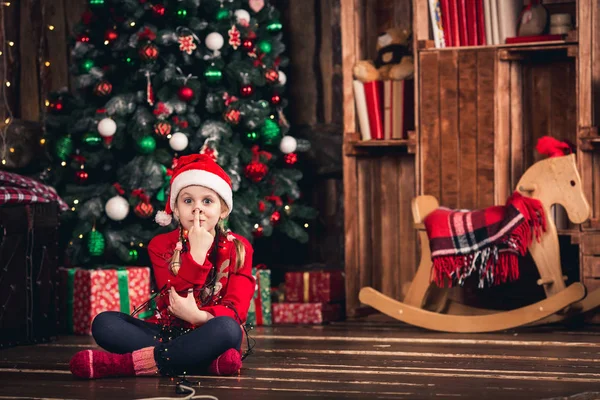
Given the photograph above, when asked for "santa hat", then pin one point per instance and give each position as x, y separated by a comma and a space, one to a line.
196, 169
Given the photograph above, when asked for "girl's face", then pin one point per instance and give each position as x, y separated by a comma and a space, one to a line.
200, 199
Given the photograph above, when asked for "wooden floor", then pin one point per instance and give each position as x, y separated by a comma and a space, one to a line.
351, 360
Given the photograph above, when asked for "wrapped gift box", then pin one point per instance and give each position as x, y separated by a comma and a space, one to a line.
88, 292
306, 313
314, 287
260, 306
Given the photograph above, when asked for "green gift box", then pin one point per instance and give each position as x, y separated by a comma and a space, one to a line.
260, 306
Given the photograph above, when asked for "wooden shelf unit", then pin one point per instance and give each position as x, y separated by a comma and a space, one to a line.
479, 111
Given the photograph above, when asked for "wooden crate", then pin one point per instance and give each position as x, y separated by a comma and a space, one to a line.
480, 111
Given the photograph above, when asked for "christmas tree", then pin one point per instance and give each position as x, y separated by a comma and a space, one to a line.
158, 79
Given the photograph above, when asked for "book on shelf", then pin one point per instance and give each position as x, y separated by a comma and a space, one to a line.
479, 22
385, 109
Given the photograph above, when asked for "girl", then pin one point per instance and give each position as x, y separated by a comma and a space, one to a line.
205, 286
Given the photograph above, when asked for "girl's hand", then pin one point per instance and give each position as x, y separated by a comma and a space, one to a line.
185, 308
200, 240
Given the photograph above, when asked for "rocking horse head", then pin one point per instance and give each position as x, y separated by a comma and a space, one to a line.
555, 180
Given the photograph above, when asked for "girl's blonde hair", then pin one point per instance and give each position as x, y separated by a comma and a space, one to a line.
240, 250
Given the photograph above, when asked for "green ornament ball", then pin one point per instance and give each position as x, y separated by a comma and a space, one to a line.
270, 131
223, 14
92, 139
274, 26
264, 46
147, 145
95, 243
213, 74
64, 147
133, 255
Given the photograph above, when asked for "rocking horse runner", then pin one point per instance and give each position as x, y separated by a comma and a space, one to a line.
490, 246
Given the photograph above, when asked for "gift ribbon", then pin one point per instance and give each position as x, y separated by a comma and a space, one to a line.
123, 278
150, 311
258, 301
70, 299
306, 286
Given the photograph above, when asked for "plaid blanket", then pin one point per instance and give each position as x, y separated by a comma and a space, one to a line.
488, 241
18, 189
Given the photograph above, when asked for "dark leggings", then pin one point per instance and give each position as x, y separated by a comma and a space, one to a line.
192, 352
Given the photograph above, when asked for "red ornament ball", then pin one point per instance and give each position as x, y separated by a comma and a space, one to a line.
275, 99
257, 232
246, 90
83, 38
162, 128
256, 171
158, 10
275, 217
81, 177
261, 206
144, 210
148, 52
185, 93
290, 158
103, 88
247, 45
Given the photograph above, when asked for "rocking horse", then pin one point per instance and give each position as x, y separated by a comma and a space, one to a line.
554, 180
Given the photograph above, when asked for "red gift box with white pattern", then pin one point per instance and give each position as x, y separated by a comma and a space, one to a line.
306, 313
97, 290
314, 287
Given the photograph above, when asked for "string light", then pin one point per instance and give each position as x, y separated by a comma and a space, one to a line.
75, 201
8, 116
306, 225
51, 27
64, 164
11, 43
80, 235
47, 63
42, 141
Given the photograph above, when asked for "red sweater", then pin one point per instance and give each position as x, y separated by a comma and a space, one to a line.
233, 290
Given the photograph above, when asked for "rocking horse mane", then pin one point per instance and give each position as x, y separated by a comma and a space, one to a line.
551, 147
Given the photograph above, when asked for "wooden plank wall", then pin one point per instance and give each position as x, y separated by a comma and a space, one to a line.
380, 238
457, 127
27, 24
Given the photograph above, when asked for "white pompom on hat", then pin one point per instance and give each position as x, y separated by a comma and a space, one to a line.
196, 169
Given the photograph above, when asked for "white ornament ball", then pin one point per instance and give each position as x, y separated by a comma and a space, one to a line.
288, 144
214, 41
117, 208
178, 141
282, 78
107, 127
242, 15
